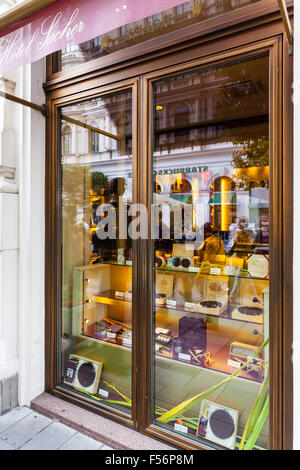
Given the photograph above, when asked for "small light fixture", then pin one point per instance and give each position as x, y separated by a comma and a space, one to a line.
118, 10
124, 7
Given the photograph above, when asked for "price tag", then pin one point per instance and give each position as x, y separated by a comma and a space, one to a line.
157, 347
119, 294
180, 428
193, 269
184, 357
234, 364
111, 335
103, 393
127, 341
190, 305
129, 262
171, 303
216, 271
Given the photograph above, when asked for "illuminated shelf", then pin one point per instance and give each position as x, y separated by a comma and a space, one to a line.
206, 271
220, 365
107, 342
108, 298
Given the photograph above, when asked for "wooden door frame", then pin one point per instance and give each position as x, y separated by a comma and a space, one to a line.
273, 47
53, 237
270, 36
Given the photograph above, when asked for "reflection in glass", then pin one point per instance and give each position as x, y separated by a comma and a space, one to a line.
172, 19
96, 263
211, 253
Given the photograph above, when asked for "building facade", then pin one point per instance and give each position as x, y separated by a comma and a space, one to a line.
205, 131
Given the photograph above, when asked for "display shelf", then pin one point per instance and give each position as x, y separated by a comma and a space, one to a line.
219, 357
194, 270
108, 341
108, 298
227, 315
207, 271
108, 263
220, 365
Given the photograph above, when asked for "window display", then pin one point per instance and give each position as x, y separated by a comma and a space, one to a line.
97, 261
167, 250
211, 253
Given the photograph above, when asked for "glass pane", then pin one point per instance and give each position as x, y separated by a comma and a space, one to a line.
172, 19
211, 253
96, 259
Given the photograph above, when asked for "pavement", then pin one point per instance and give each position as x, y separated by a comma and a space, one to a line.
25, 429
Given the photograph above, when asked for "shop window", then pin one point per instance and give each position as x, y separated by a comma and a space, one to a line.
67, 140
94, 140
172, 19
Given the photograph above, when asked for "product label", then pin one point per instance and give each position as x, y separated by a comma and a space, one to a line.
180, 428
184, 357
193, 269
190, 305
111, 335
163, 331
129, 262
103, 393
127, 341
119, 294
216, 271
171, 303
234, 364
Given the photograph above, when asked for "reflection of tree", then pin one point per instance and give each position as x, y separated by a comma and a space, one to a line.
99, 181
77, 181
254, 154
74, 191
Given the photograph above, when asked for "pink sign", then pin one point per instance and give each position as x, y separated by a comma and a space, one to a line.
69, 22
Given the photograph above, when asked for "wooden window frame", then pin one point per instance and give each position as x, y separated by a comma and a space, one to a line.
246, 38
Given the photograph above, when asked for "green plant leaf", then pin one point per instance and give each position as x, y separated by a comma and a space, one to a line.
258, 426
191, 402
255, 412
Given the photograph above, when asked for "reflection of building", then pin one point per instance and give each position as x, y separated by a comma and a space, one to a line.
199, 119
187, 13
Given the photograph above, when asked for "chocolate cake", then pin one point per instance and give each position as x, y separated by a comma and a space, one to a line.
160, 296
211, 304
253, 311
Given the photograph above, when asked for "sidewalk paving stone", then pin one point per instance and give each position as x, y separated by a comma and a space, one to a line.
25, 429
50, 438
81, 442
5, 446
13, 416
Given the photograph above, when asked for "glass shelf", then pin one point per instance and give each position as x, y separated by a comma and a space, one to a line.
206, 271
108, 297
219, 366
